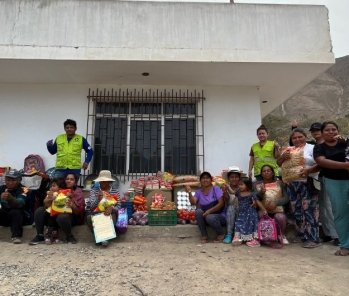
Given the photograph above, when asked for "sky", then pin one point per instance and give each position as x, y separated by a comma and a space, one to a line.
339, 20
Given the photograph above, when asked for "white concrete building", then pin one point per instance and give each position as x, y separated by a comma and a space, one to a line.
242, 60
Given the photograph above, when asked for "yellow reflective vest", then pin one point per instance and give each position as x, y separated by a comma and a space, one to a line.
68, 153
264, 155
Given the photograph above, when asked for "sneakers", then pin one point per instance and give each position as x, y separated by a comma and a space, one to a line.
71, 239
236, 241
55, 237
228, 239
285, 240
16, 240
253, 243
38, 239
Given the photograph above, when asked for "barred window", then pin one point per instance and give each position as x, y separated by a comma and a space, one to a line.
140, 133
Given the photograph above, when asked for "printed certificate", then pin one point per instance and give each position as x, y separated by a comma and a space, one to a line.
103, 227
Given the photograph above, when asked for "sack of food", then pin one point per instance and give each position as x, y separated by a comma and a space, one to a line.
59, 204
273, 192
292, 167
219, 181
108, 200
185, 179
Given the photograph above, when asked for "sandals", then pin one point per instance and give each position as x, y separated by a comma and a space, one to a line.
236, 241
342, 252
253, 243
219, 239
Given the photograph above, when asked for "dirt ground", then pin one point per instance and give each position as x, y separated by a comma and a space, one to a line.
170, 267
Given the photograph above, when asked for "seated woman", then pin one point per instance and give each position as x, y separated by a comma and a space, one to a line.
231, 202
210, 207
272, 194
103, 184
64, 221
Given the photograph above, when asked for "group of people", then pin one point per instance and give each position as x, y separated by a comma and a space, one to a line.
321, 190
76, 201
14, 196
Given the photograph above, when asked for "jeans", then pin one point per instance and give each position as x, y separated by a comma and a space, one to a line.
230, 217
216, 221
326, 215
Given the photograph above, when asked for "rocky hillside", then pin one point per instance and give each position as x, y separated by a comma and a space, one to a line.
325, 98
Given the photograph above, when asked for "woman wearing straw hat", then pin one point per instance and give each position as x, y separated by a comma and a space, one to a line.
104, 183
233, 177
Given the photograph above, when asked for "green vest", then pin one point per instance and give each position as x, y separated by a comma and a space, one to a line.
68, 153
264, 155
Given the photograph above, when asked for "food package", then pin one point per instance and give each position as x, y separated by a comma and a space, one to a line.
273, 193
139, 218
185, 179
159, 202
59, 205
219, 181
106, 201
292, 167
191, 184
165, 176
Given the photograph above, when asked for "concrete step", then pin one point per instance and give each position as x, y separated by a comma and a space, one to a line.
134, 233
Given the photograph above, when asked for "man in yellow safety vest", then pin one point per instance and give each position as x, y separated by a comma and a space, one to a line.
68, 148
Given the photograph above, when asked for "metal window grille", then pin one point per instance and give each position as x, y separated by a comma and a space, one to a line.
140, 132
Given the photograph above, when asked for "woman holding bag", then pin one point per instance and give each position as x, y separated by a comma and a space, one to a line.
272, 194
103, 185
210, 205
300, 190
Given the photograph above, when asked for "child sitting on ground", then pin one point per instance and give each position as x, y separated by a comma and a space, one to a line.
246, 224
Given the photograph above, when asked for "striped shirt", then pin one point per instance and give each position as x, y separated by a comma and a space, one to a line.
93, 202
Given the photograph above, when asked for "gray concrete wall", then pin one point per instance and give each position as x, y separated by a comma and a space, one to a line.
113, 30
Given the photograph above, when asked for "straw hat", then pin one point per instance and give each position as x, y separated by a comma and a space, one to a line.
104, 176
233, 169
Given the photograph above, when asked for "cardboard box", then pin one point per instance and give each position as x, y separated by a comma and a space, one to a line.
148, 194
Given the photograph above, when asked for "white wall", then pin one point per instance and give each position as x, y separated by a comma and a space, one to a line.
32, 114
232, 116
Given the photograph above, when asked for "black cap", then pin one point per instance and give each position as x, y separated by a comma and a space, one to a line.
316, 126
13, 174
